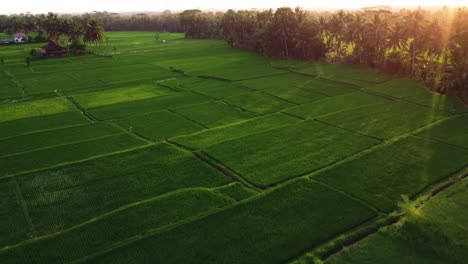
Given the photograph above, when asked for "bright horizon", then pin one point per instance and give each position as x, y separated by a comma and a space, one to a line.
24, 6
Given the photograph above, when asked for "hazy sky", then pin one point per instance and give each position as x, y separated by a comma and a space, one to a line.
66, 6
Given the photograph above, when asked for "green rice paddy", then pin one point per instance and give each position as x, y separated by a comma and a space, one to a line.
190, 151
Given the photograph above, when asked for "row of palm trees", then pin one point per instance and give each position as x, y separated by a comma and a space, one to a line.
429, 46
57, 28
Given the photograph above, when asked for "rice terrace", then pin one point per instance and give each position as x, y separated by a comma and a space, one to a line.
223, 137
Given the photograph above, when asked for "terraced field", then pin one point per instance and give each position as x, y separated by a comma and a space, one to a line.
190, 151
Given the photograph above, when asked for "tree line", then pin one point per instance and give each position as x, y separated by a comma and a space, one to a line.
52, 27
431, 46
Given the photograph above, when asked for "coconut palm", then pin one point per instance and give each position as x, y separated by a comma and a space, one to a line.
93, 32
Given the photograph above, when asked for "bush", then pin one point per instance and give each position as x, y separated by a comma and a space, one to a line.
36, 53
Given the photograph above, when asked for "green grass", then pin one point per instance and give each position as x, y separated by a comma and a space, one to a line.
401, 88
14, 227
217, 135
9, 112
237, 191
147, 105
385, 120
279, 154
120, 95
159, 126
47, 139
335, 104
271, 228
436, 236
297, 95
75, 151
453, 131
8, 87
212, 114
440, 102
406, 167
41, 123
131, 221
63, 197
259, 103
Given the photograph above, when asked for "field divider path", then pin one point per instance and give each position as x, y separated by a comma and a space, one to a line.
188, 119
337, 244
238, 107
60, 145
135, 135
81, 109
105, 215
24, 208
229, 173
349, 130
17, 83
76, 161
262, 76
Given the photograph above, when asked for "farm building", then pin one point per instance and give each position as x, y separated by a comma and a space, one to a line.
54, 50
20, 37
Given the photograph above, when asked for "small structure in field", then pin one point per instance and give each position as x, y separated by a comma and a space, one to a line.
21, 37
54, 50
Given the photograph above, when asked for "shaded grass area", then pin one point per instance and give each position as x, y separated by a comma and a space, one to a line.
76, 151
130, 221
385, 120
439, 102
271, 228
452, 131
401, 88
237, 191
297, 95
147, 105
217, 135
406, 167
8, 87
20, 110
279, 154
335, 104
47, 139
114, 96
159, 126
41, 123
259, 103
436, 235
63, 197
212, 114
14, 227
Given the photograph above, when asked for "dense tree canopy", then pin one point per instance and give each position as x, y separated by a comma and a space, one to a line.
431, 46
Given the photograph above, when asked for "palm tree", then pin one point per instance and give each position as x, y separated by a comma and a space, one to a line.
93, 32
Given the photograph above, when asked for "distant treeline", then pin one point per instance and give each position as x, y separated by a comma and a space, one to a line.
431, 46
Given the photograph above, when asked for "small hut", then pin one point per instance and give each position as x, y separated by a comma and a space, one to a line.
54, 50
20, 37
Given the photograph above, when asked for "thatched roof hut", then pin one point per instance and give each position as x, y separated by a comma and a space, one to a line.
54, 50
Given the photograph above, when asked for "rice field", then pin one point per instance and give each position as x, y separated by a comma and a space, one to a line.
191, 151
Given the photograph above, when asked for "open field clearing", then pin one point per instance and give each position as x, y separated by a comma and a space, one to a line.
260, 158
405, 167
217, 135
384, 120
442, 223
286, 220
189, 150
60, 198
41, 123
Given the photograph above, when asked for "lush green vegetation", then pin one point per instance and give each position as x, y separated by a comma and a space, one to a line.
217, 135
310, 145
406, 167
191, 151
127, 222
435, 235
278, 224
